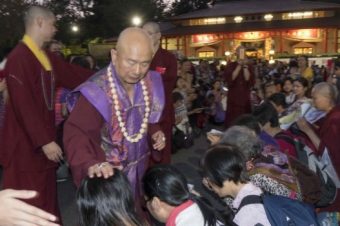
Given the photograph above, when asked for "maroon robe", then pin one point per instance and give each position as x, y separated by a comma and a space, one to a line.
29, 124
329, 137
165, 63
238, 101
81, 135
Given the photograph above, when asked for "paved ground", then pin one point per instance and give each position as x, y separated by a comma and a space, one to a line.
187, 161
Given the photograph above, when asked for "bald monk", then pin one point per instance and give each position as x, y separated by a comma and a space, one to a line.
113, 112
28, 151
324, 98
165, 63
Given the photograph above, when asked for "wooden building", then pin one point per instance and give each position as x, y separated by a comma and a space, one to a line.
266, 27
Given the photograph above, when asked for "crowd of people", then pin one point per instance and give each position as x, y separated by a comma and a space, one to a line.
117, 126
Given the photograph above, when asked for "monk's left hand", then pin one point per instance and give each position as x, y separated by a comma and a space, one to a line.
159, 140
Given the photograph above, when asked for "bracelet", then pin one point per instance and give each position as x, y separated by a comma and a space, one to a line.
100, 165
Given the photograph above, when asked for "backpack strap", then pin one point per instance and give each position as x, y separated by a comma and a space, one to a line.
249, 199
302, 154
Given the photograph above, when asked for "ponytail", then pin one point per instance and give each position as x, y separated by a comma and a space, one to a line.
210, 214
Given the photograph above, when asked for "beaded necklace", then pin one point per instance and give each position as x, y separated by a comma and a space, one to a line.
116, 108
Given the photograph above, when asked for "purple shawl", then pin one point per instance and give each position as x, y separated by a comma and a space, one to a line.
118, 150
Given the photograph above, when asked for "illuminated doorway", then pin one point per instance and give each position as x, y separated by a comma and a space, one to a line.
206, 52
303, 48
255, 49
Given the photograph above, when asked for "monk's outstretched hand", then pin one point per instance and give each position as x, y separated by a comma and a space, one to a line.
159, 140
103, 169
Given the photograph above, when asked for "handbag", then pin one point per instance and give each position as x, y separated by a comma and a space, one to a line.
63, 171
182, 140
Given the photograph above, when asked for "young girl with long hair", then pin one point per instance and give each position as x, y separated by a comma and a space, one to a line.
107, 202
169, 200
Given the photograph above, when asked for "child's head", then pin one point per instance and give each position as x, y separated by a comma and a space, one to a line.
209, 100
217, 85
186, 65
267, 116
177, 99
302, 61
300, 87
278, 100
287, 85
164, 186
278, 84
248, 121
224, 168
181, 83
269, 89
107, 202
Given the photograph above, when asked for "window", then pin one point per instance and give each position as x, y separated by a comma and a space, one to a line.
206, 54
172, 44
338, 41
303, 50
205, 21
306, 15
257, 17
297, 15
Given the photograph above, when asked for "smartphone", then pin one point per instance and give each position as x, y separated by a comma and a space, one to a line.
242, 53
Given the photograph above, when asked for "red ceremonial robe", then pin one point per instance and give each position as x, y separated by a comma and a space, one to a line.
29, 124
238, 101
82, 139
165, 63
329, 137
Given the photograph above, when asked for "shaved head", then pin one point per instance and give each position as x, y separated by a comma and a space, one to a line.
152, 26
134, 37
154, 31
34, 12
133, 55
326, 90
